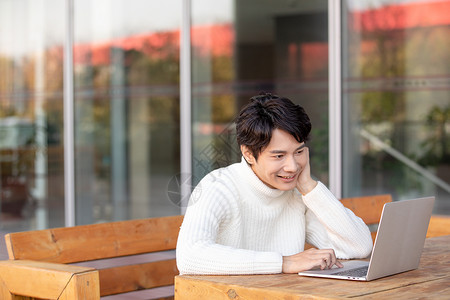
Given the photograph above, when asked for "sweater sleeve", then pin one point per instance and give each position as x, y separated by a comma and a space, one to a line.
198, 251
331, 225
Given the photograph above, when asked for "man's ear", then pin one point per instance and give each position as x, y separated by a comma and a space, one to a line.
248, 155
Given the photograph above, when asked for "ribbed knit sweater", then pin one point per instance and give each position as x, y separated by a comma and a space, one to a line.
235, 224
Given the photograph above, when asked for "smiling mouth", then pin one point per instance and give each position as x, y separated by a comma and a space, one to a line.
287, 177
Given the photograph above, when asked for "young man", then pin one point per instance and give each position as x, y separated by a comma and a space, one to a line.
254, 217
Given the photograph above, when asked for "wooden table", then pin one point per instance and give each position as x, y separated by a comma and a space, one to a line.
430, 281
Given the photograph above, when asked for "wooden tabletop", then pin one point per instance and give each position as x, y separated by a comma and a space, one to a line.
430, 281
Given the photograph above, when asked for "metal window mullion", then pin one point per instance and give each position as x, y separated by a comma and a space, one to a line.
69, 160
335, 97
185, 105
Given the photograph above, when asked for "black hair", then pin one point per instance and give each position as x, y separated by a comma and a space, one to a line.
266, 112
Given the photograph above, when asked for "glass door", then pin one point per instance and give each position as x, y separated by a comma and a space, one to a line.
31, 114
126, 73
240, 48
396, 96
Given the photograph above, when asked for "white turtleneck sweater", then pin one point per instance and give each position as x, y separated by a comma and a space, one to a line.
235, 224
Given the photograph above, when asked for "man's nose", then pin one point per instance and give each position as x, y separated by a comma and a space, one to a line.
291, 164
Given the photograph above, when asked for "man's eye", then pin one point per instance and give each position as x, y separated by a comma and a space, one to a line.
278, 156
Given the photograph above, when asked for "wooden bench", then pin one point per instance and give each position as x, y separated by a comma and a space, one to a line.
368, 208
439, 225
41, 261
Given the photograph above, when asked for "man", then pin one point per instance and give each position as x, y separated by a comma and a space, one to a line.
254, 217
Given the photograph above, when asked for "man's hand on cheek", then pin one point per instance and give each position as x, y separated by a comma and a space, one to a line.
305, 183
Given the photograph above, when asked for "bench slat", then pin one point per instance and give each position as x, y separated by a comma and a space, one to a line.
439, 225
137, 277
368, 208
47, 280
97, 241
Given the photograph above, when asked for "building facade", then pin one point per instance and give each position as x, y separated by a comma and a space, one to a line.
113, 110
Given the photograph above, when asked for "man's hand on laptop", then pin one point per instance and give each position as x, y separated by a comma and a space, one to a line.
308, 259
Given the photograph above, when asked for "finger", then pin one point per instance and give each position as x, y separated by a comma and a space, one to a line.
333, 258
323, 264
329, 258
339, 264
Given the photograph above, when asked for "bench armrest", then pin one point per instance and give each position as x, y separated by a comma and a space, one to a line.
439, 225
47, 280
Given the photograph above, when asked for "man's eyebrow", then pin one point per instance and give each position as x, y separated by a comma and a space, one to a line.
301, 147
283, 152
277, 151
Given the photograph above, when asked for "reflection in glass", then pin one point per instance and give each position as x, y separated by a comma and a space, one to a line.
126, 58
396, 96
31, 114
240, 48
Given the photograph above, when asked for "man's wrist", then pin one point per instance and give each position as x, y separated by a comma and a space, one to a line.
307, 187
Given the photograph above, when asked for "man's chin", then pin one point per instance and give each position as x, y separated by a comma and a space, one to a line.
286, 186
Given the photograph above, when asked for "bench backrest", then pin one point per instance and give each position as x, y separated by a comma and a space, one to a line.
106, 240
439, 225
368, 208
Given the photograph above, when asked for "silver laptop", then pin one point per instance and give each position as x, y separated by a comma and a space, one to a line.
398, 246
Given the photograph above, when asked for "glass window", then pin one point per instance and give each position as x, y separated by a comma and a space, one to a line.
240, 48
126, 64
31, 114
396, 65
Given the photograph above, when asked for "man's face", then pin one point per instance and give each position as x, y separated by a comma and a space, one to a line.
281, 162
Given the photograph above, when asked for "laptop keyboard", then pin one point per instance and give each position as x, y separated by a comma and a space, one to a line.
358, 272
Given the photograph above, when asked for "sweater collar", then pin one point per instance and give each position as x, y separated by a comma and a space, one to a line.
256, 184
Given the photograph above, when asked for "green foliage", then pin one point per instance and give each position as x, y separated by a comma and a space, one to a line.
437, 143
